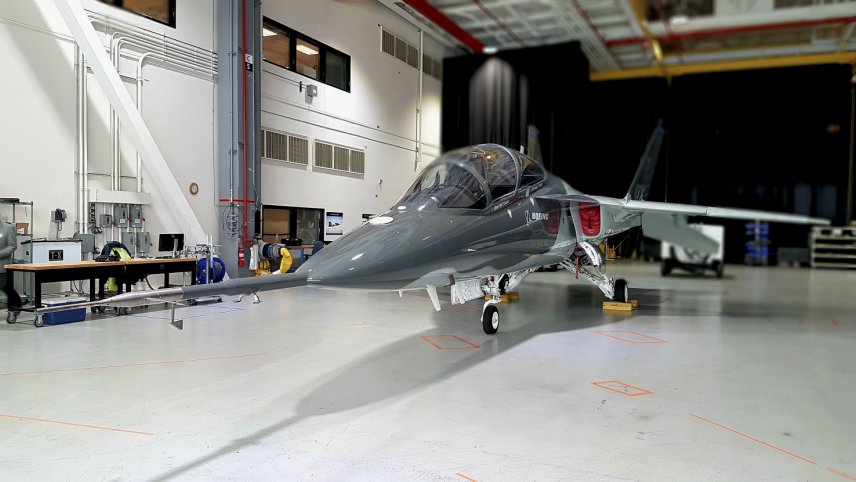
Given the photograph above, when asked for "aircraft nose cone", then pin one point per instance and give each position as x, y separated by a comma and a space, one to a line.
370, 257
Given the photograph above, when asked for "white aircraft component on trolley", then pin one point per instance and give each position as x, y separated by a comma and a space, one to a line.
479, 220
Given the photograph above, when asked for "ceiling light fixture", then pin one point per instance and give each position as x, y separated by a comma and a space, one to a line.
490, 49
306, 50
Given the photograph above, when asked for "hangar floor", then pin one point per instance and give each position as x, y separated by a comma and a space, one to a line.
745, 378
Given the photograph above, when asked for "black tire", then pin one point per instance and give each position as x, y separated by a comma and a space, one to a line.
490, 320
666, 268
11, 317
128, 310
621, 293
39, 322
718, 268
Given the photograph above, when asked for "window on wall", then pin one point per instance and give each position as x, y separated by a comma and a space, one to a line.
275, 47
308, 59
162, 11
299, 53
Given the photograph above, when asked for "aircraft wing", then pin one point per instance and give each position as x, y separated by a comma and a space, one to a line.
664, 221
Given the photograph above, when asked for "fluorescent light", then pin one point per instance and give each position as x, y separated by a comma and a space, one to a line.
306, 50
490, 49
679, 19
267, 33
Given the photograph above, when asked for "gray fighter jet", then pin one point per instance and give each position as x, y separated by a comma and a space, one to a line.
479, 220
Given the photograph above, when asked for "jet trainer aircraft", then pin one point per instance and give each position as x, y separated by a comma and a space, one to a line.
479, 220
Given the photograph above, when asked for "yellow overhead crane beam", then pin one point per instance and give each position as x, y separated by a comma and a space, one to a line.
701, 68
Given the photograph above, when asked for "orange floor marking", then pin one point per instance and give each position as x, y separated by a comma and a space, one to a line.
841, 474
621, 387
754, 439
31, 419
465, 477
649, 339
439, 338
131, 365
834, 322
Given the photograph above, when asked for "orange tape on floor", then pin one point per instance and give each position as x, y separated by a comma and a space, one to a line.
646, 340
622, 388
755, 440
60, 422
469, 346
465, 477
841, 474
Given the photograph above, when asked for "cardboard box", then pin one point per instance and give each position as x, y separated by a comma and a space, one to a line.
22, 228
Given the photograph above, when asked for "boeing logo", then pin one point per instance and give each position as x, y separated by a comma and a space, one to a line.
537, 216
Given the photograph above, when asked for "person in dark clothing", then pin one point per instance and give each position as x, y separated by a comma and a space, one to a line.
8, 244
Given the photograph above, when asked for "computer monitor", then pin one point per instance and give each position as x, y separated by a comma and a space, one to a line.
167, 242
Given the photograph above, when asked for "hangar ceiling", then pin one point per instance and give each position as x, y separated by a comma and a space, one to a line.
624, 38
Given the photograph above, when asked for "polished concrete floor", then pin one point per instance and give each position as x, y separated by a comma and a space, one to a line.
750, 377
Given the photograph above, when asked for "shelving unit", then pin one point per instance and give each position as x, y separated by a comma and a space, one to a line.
833, 247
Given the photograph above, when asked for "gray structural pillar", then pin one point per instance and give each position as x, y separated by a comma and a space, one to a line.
239, 51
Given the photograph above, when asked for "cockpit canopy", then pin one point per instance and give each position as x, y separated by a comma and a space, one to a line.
474, 177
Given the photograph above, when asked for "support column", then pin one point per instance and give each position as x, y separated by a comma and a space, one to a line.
238, 127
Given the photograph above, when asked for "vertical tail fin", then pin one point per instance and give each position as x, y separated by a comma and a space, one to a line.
641, 184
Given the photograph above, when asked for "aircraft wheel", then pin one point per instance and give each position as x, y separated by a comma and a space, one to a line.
621, 291
490, 319
127, 310
666, 268
11, 317
39, 322
718, 268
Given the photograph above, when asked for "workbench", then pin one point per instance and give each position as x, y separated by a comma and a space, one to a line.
126, 272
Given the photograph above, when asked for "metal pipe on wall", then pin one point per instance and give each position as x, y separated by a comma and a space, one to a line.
118, 41
419, 102
80, 72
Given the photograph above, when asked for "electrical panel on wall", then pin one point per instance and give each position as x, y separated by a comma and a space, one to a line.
143, 242
129, 239
136, 216
120, 215
104, 221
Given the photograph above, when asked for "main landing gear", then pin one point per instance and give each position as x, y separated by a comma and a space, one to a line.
621, 293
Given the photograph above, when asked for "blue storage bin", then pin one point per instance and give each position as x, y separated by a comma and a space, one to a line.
61, 317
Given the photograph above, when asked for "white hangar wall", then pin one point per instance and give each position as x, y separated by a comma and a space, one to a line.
378, 115
40, 122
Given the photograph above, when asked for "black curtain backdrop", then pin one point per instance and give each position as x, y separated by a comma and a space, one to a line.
772, 139
493, 98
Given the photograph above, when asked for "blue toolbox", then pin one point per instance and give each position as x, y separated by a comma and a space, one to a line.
68, 316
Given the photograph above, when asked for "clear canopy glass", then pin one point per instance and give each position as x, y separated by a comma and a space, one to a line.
473, 178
